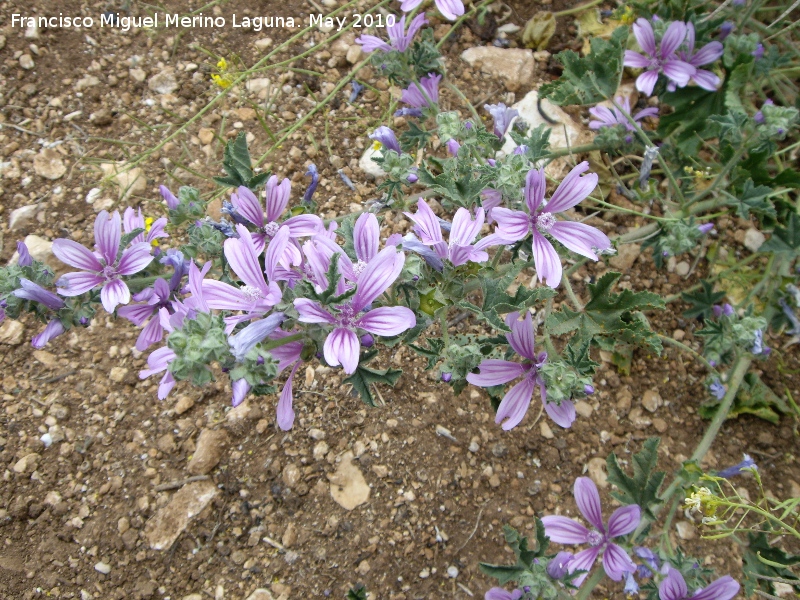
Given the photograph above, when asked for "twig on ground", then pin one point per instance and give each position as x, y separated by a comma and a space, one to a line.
174, 485
474, 529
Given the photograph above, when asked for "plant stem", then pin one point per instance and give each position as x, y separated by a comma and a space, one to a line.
739, 370
688, 350
577, 9
588, 586
571, 293
445, 334
282, 341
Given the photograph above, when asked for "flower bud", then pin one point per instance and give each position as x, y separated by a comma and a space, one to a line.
412, 178
367, 340
453, 147
447, 377
588, 389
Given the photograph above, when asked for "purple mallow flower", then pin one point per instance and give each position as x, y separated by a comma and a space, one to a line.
447, 377
399, 39
459, 249
706, 55
661, 59
720, 310
150, 301
758, 117
102, 267
453, 147
424, 94
386, 138
758, 53
342, 345
673, 587
267, 222
706, 228
313, 172
559, 564
623, 521
169, 197
747, 463
717, 389
450, 9
514, 225
54, 329
611, 117
36, 293
725, 30
132, 220
502, 116
498, 372
25, 259
497, 593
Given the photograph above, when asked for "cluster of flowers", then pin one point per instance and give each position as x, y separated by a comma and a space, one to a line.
301, 249
674, 56
617, 562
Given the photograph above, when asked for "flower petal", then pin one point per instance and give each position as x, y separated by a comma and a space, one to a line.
646, 82
583, 561
678, 71
464, 228
366, 235
370, 43
241, 254
512, 225
134, 259
521, 336
515, 404
673, 38
723, 588
535, 187
54, 329
75, 255
673, 587
387, 320
495, 372
706, 80
707, 54
150, 334
379, 274
636, 60
277, 197
341, 348
248, 206
75, 284
107, 235
616, 562
624, 520
562, 530
546, 260
114, 293
645, 36
450, 9
562, 414
572, 189
285, 412
240, 390
311, 312
580, 238
588, 500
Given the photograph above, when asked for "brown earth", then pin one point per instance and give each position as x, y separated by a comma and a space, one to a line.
84, 503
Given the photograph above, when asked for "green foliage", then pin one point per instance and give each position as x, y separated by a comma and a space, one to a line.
609, 314
190, 209
642, 488
537, 141
204, 240
10, 276
689, 123
457, 182
200, 342
754, 397
358, 592
590, 79
236, 163
414, 137
577, 356
762, 558
365, 377
752, 199
785, 240
702, 301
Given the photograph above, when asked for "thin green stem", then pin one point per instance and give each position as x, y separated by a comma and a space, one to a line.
445, 333
571, 293
681, 346
283, 341
461, 95
577, 9
588, 586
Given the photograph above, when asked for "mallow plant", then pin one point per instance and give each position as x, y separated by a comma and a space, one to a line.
271, 287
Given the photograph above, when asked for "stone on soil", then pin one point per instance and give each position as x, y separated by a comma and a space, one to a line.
685, 530
21, 216
208, 452
169, 522
625, 257
48, 164
369, 166
597, 472
348, 486
651, 400
11, 333
130, 182
753, 239
514, 65
260, 594
163, 82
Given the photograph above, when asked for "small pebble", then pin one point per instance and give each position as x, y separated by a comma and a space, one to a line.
425, 573
103, 568
452, 572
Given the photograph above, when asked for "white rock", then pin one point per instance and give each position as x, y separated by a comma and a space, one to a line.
682, 268
103, 568
170, 521
137, 75
583, 408
625, 257
452, 572
32, 32
260, 594
348, 486
685, 530
86, 81
48, 164
258, 84
11, 333
597, 472
753, 239
369, 166
163, 82
130, 182
93, 195
353, 54
26, 62
263, 43
651, 400
564, 133
514, 65
22, 216
546, 431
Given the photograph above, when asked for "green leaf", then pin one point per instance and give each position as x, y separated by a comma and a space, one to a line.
754, 397
730, 126
688, 125
785, 240
577, 356
433, 354
753, 199
364, 377
519, 544
591, 79
415, 137
359, 592
737, 81
642, 488
702, 301
537, 140
608, 314
503, 573
761, 558
236, 163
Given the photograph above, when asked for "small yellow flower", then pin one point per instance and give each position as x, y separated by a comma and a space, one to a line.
222, 65
376, 145
628, 15
698, 498
148, 225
